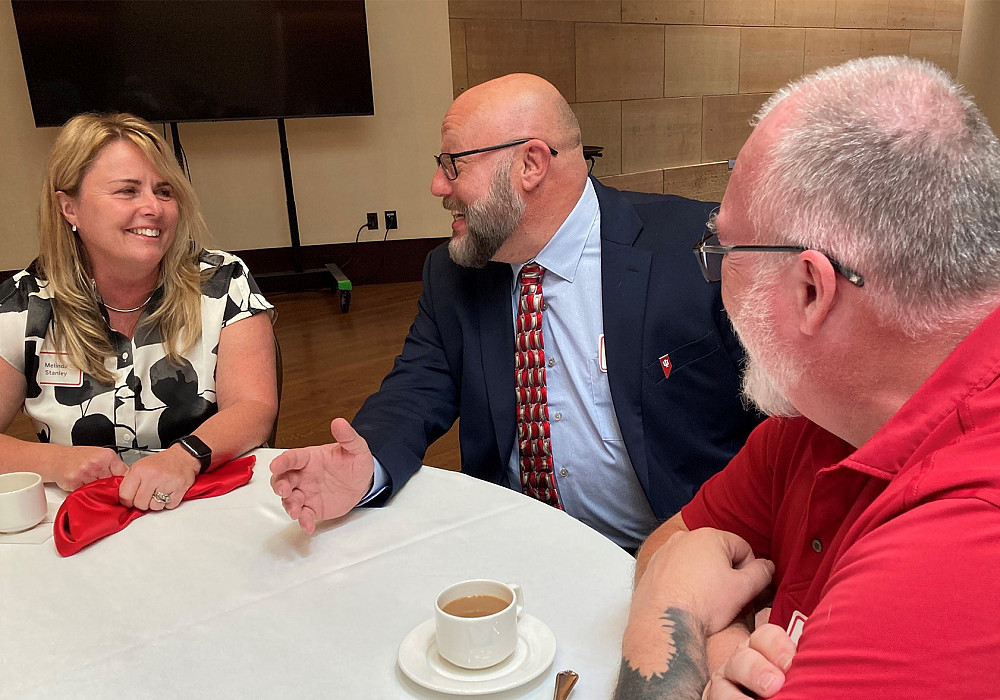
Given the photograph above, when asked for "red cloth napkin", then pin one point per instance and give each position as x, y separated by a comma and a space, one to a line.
93, 511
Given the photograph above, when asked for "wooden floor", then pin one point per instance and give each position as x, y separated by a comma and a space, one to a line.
333, 361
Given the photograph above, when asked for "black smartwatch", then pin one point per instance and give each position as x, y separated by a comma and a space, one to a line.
198, 449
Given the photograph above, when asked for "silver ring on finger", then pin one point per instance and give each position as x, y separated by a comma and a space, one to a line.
163, 498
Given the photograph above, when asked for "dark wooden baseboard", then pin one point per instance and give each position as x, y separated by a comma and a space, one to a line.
367, 262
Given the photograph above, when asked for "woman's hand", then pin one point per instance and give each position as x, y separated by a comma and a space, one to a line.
170, 473
81, 465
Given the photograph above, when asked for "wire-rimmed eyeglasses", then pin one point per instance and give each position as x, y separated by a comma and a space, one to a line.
446, 161
710, 253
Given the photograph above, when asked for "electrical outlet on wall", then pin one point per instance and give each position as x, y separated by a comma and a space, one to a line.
372, 221
390, 219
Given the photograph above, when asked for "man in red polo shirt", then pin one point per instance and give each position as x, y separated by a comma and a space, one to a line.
858, 246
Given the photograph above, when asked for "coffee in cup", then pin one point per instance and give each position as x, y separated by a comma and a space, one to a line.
22, 501
476, 622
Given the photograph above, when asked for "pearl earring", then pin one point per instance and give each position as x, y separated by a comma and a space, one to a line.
73, 228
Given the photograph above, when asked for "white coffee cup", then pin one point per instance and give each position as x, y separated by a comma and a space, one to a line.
470, 633
22, 501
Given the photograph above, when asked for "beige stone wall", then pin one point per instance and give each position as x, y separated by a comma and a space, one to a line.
667, 86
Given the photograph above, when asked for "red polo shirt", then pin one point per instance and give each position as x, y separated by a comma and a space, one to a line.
890, 552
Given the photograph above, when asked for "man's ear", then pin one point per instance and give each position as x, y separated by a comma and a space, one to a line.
815, 290
534, 164
67, 206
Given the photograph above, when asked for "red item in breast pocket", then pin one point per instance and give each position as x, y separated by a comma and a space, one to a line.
93, 511
665, 364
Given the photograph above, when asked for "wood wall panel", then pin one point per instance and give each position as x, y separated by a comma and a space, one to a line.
618, 61
601, 124
484, 9
573, 10
727, 124
706, 182
934, 46
459, 68
664, 11
884, 42
740, 12
501, 47
862, 14
830, 47
948, 14
701, 61
648, 181
911, 14
660, 133
770, 58
813, 13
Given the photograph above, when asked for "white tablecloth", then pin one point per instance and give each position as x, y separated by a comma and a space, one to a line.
228, 598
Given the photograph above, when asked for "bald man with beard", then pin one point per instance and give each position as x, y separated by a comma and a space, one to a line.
565, 323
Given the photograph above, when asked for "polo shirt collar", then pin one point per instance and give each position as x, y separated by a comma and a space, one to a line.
920, 424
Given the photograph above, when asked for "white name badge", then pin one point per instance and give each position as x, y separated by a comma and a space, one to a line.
601, 354
54, 369
795, 626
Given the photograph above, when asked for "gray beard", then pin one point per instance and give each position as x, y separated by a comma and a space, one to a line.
489, 222
769, 367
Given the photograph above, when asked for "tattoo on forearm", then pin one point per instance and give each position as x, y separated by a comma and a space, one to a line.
685, 669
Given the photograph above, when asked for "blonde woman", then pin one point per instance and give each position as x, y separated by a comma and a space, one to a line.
125, 333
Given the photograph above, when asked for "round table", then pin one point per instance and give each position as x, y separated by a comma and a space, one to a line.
227, 598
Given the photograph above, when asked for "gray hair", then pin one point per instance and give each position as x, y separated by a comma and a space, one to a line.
887, 165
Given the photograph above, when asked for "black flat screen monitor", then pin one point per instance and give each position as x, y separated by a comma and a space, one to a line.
195, 60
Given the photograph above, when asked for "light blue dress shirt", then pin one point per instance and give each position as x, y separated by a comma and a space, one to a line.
594, 476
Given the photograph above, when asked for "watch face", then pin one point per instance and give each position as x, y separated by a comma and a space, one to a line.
196, 446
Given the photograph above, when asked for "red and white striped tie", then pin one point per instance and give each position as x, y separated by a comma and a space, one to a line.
534, 444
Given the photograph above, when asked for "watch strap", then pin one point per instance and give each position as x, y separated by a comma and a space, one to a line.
197, 448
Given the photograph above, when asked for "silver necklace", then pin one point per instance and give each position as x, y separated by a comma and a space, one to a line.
109, 307
93, 285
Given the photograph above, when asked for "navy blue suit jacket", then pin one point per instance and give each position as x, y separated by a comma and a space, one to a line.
458, 358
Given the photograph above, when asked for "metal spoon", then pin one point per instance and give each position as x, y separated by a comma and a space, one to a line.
565, 680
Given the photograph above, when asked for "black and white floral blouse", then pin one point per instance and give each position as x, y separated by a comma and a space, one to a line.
152, 401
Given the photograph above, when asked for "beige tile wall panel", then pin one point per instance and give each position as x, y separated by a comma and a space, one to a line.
664, 11
459, 69
543, 48
934, 46
706, 182
726, 124
911, 14
830, 47
618, 61
601, 124
956, 51
649, 181
484, 9
862, 14
885, 42
753, 13
769, 58
701, 61
660, 133
805, 13
948, 14
573, 10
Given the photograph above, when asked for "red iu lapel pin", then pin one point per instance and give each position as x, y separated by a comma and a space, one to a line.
665, 364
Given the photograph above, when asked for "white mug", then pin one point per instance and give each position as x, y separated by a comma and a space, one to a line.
485, 638
22, 501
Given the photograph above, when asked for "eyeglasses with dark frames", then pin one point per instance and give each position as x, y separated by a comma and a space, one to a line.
710, 253
446, 161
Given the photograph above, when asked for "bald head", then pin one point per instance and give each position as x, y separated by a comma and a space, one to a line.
515, 106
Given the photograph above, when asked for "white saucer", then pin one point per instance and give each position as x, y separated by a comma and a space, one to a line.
421, 663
